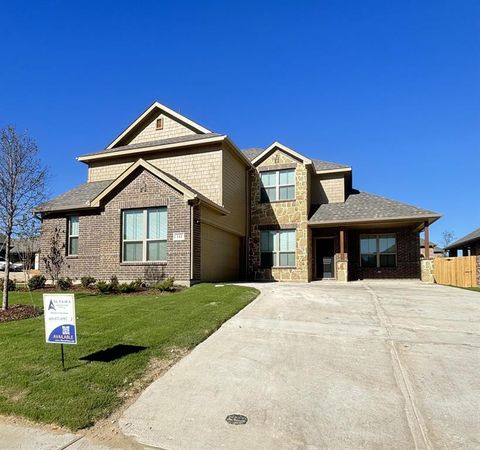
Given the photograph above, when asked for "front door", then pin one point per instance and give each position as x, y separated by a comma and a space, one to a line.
324, 256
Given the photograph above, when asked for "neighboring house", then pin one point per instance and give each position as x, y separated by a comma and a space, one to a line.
435, 250
469, 244
168, 197
2, 247
26, 248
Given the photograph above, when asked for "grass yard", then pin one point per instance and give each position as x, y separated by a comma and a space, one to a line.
33, 385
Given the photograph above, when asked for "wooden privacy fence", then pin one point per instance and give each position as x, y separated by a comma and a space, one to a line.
460, 271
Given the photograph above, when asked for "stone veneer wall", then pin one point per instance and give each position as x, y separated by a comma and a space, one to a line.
281, 215
99, 252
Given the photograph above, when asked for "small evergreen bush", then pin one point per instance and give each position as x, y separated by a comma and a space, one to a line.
87, 281
167, 285
65, 283
37, 282
11, 285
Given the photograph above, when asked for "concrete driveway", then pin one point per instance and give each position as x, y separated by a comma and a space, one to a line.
384, 364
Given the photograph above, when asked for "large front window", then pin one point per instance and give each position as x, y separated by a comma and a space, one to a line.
278, 248
277, 185
145, 235
378, 250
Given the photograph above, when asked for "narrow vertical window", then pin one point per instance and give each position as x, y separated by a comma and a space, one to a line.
73, 232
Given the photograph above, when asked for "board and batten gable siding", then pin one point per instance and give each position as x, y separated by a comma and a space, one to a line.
327, 188
200, 168
100, 240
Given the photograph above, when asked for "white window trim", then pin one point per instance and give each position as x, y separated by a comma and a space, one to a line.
277, 252
377, 250
145, 240
70, 235
277, 185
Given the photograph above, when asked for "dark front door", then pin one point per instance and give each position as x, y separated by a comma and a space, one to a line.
324, 258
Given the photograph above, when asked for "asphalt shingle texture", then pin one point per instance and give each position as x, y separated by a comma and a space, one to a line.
364, 206
78, 197
318, 164
473, 236
173, 140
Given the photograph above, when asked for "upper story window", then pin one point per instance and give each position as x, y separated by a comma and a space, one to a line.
277, 185
378, 250
159, 123
72, 238
144, 235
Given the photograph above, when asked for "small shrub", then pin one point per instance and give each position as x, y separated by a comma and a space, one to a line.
133, 286
167, 285
11, 285
37, 282
114, 285
87, 281
103, 287
65, 283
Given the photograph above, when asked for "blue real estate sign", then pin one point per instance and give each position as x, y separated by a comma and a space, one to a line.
60, 324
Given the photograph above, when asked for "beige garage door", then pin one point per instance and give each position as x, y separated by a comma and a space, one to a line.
221, 255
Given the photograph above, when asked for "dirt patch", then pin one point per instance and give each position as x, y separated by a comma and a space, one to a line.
19, 312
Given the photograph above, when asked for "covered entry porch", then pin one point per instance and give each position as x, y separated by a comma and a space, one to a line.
367, 236
364, 251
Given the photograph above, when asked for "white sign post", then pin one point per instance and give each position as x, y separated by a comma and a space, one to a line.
60, 323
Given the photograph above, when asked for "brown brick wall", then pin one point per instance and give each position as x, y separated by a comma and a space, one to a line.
408, 256
100, 234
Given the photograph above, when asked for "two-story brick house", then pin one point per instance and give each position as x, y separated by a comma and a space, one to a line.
168, 197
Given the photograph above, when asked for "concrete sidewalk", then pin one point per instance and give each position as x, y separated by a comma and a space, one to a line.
387, 364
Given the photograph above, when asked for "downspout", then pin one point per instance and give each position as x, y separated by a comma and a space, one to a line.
248, 222
191, 242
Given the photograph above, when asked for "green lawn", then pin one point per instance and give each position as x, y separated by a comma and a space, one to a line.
33, 385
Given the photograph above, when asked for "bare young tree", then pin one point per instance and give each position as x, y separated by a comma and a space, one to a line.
448, 237
22, 187
54, 259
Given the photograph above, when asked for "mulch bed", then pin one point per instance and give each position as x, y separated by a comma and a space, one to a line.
19, 312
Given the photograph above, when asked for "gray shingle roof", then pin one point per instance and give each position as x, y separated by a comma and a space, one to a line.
77, 198
319, 165
473, 236
325, 165
361, 206
173, 140
252, 153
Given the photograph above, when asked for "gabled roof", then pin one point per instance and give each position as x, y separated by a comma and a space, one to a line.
257, 154
276, 145
75, 199
473, 236
364, 207
434, 246
158, 106
90, 195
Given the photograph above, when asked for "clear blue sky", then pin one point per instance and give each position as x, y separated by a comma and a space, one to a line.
392, 88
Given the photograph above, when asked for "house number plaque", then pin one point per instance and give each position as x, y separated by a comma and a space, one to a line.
178, 236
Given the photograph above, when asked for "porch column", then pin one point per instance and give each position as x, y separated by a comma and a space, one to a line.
342, 244
342, 263
427, 241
